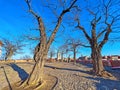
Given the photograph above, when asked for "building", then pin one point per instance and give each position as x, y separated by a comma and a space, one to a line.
84, 58
112, 57
58, 56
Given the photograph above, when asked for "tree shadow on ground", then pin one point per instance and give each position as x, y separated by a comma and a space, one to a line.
114, 72
9, 85
21, 72
105, 84
108, 68
86, 64
100, 83
78, 70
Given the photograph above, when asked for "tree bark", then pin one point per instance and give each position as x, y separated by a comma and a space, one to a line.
74, 57
97, 61
8, 56
62, 56
36, 76
98, 68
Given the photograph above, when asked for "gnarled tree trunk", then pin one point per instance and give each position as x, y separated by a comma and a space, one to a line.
97, 60
36, 76
41, 50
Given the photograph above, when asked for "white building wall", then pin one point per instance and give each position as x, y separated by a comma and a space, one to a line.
58, 56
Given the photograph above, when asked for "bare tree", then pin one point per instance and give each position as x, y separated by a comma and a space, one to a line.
73, 45
41, 50
11, 48
104, 18
63, 49
51, 52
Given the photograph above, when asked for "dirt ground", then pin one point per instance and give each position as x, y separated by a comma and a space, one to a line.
12, 74
48, 84
58, 76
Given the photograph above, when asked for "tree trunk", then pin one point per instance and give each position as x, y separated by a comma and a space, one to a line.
36, 76
97, 61
74, 57
8, 55
98, 68
62, 59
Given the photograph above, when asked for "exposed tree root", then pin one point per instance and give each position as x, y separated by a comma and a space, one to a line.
106, 74
102, 74
25, 86
48, 84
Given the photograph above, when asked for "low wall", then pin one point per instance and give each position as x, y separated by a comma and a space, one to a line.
14, 61
112, 63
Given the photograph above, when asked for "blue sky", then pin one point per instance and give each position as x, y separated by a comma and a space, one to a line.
15, 21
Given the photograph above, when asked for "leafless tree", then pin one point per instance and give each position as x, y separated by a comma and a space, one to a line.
11, 48
63, 49
41, 50
73, 45
104, 19
51, 52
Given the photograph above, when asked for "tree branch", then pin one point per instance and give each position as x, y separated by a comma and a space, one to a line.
32, 38
59, 22
106, 36
30, 9
84, 45
82, 28
101, 33
40, 22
